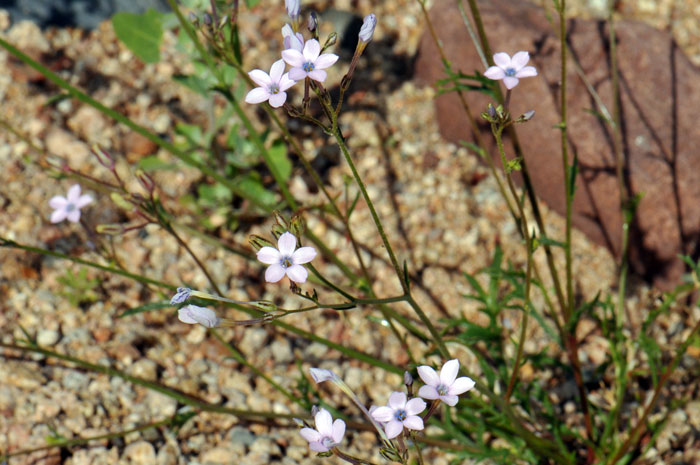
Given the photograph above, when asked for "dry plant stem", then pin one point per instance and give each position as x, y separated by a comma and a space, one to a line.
196, 259
497, 132
634, 436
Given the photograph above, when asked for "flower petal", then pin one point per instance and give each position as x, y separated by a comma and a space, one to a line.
269, 255
393, 429
274, 273
58, 215
338, 430
278, 99
297, 273
293, 58
428, 392
415, 406
495, 73
397, 400
310, 434
58, 201
257, 95
318, 75
428, 375
260, 77
297, 74
510, 82
449, 400
383, 414
528, 71
277, 70
318, 446
413, 422
285, 82
448, 372
73, 193
325, 60
303, 255
324, 422
461, 385
286, 244
83, 200
321, 374
502, 60
519, 60
73, 216
311, 50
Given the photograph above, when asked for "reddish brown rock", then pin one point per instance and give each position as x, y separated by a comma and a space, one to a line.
660, 94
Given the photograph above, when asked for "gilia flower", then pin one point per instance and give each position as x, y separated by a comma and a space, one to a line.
321, 374
192, 314
293, 8
399, 414
445, 386
272, 86
286, 260
292, 40
510, 70
328, 433
308, 63
69, 206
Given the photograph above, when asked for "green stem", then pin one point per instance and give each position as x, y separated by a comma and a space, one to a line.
142, 279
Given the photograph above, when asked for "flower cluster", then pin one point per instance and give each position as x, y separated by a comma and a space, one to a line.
400, 412
303, 56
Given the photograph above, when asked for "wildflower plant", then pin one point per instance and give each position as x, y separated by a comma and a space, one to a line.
477, 407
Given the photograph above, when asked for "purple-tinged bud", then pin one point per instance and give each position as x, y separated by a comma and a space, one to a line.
146, 181
314, 410
312, 22
320, 375
528, 115
293, 8
206, 19
193, 18
367, 29
407, 378
103, 157
182, 294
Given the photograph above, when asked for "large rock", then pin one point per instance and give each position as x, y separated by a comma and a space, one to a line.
660, 95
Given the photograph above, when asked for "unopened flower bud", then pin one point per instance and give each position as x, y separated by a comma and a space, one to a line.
182, 294
332, 38
297, 225
193, 18
492, 111
192, 314
314, 410
320, 375
407, 378
103, 157
111, 229
367, 29
312, 22
293, 8
299, 422
258, 242
527, 115
146, 181
121, 202
206, 19
265, 305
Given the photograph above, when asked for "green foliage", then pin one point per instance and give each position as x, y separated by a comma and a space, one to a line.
78, 287
141, 33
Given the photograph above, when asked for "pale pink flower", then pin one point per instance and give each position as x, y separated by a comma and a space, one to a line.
328, 433
292, 40
272, 86
293, 8
68, 207
308, 63
510, 70
445, 386
192, 314
400, 413
286, 260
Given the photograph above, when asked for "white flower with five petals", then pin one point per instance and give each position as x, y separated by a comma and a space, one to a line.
272, 86
511, 70
445, 386
308, 63
400, 413
286, 259
68, 207
328, 433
